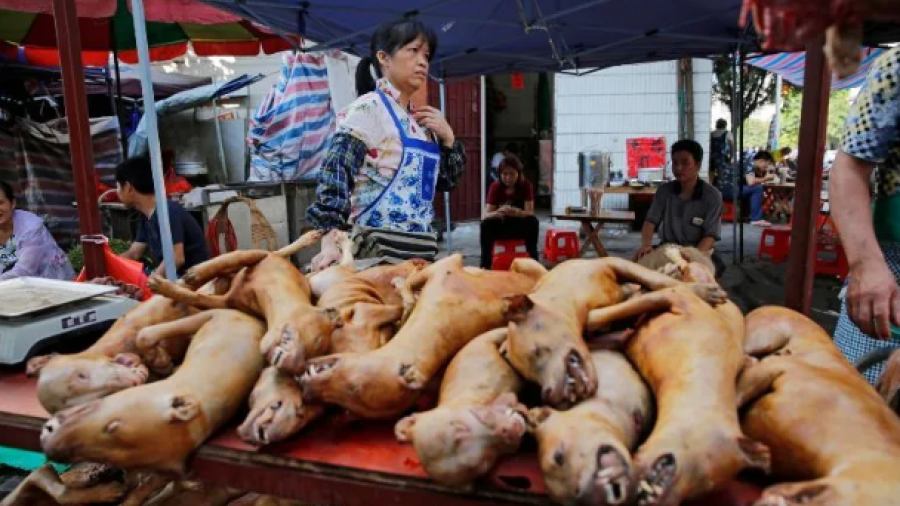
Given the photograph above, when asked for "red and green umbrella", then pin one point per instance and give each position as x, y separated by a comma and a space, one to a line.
30, 37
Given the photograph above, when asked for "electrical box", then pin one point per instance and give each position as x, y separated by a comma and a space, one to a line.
593, 169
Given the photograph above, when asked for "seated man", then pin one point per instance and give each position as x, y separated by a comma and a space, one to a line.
510, 211
686, 211
134, 182
759, 172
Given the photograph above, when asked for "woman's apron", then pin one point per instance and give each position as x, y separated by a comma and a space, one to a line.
396, 226
847, 336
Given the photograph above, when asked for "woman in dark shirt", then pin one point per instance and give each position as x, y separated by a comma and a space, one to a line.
510, 211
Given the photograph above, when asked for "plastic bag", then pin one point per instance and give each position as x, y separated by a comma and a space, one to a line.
122, 269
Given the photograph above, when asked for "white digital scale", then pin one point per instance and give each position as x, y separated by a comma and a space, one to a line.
37, 313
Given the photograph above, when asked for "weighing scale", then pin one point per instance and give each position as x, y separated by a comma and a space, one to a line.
37, 313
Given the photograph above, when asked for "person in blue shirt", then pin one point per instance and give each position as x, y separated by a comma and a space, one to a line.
134, 183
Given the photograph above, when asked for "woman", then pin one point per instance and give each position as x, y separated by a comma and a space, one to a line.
26, 246
870, 234
510, 211
387, 159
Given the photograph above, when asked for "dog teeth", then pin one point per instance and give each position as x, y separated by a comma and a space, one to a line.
606, 473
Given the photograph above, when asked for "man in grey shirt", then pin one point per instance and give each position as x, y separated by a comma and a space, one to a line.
686, 211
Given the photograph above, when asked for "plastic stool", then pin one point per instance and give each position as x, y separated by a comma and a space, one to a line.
561, 244
727, 211
775, 243
834, 262
505, 252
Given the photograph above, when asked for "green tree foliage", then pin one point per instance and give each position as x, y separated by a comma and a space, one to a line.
756, 132
838, 109
759, 86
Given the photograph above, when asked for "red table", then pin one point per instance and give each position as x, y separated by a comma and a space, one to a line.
336, 463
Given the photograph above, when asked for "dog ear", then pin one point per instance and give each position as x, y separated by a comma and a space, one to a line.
335, 316
538, 416
403, 429
516, 307
183, 408
36, 364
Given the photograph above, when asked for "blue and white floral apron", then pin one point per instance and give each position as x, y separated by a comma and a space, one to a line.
847, 336
398, 221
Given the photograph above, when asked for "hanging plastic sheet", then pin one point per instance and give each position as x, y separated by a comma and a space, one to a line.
293, 126
35, 159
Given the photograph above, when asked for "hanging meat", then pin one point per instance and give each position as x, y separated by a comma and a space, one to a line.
788, 25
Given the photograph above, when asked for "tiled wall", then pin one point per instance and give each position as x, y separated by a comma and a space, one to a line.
600, 111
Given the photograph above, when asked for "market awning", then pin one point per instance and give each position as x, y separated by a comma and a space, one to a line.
497, 36
790, 66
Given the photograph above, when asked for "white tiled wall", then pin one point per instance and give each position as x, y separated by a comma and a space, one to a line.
600, 111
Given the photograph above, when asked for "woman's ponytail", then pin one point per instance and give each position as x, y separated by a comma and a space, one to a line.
365, 80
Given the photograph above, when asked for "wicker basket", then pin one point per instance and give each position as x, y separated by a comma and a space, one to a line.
260, 228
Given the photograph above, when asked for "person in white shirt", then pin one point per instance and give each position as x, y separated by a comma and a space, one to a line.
510, 149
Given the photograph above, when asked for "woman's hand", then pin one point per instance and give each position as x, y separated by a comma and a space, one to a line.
873, 299
434, 120
642, 251
330, 254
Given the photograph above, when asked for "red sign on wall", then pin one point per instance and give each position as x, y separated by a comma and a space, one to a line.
517, 80
645, 153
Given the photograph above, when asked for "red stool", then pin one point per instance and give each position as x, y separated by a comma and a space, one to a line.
727, 211
775, 243
561, 244
833, 262
505, 252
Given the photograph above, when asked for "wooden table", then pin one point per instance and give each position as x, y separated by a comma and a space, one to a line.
630, 190
592, 224
335, 463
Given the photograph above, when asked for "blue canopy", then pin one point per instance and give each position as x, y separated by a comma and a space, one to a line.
499, 36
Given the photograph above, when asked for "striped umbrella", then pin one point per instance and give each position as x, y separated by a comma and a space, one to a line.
791, 65
30, 38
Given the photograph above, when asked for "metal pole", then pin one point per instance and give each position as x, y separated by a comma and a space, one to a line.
778, 104
740, 187
66, 20
224, 174
119, 109
813, 126
159, 185
738, 171
446, 194
483, 127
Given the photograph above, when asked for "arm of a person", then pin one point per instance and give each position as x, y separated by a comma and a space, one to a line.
29, 256
178, 250
332, 206
453, 163
529, 208
712, 227
136, 251
851, 208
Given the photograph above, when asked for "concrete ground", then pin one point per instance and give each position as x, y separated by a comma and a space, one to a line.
751, 284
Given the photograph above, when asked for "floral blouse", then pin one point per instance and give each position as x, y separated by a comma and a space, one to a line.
872, 130
34, 251
364, 155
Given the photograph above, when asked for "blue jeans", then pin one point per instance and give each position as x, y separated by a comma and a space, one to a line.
755, 193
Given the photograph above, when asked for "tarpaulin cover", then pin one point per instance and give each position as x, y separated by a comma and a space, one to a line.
35, 159
500, 36
29, 36
289, 132
166, 11
137, 141
790, 66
